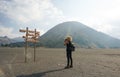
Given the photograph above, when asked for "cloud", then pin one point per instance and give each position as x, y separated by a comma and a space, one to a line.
110, 24
43, 15
25, 11
4, 31
106, 18
39, 14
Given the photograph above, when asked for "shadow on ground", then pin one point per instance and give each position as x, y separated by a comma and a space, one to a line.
41, 74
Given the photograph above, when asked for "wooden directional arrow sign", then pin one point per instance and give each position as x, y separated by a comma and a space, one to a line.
30, 31
30, 34
37, 34
21, 30
35, 38
32, 40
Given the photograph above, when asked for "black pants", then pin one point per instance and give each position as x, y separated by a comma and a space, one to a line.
69, 58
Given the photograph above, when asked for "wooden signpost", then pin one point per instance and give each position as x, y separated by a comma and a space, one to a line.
30, 36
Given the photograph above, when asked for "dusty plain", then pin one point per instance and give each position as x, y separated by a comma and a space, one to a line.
50, 62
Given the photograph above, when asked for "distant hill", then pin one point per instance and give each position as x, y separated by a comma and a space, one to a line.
18, 39
83, 36
6, 40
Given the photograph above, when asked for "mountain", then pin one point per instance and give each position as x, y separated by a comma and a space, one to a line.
18, 39
6, 40
83, 36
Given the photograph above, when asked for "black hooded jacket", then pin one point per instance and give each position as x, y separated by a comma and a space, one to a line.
68, 49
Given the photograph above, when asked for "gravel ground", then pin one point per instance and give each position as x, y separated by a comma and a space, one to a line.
51, 62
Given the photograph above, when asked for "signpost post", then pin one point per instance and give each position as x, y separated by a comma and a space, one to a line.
35, 46
31, 36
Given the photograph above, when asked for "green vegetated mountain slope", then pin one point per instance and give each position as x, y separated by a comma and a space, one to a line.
83, 36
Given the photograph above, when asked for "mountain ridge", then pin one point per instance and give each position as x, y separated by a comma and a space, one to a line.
83, 36
5, 40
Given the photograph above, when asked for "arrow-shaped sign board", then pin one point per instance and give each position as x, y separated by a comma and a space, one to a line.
31, 40
21, 30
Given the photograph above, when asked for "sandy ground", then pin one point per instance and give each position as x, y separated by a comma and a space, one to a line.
51, 63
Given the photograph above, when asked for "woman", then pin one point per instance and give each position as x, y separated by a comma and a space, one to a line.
68, 44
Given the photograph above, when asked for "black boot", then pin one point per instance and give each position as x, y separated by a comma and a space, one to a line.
71, 66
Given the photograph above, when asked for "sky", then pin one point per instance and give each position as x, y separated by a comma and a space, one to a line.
101, 15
